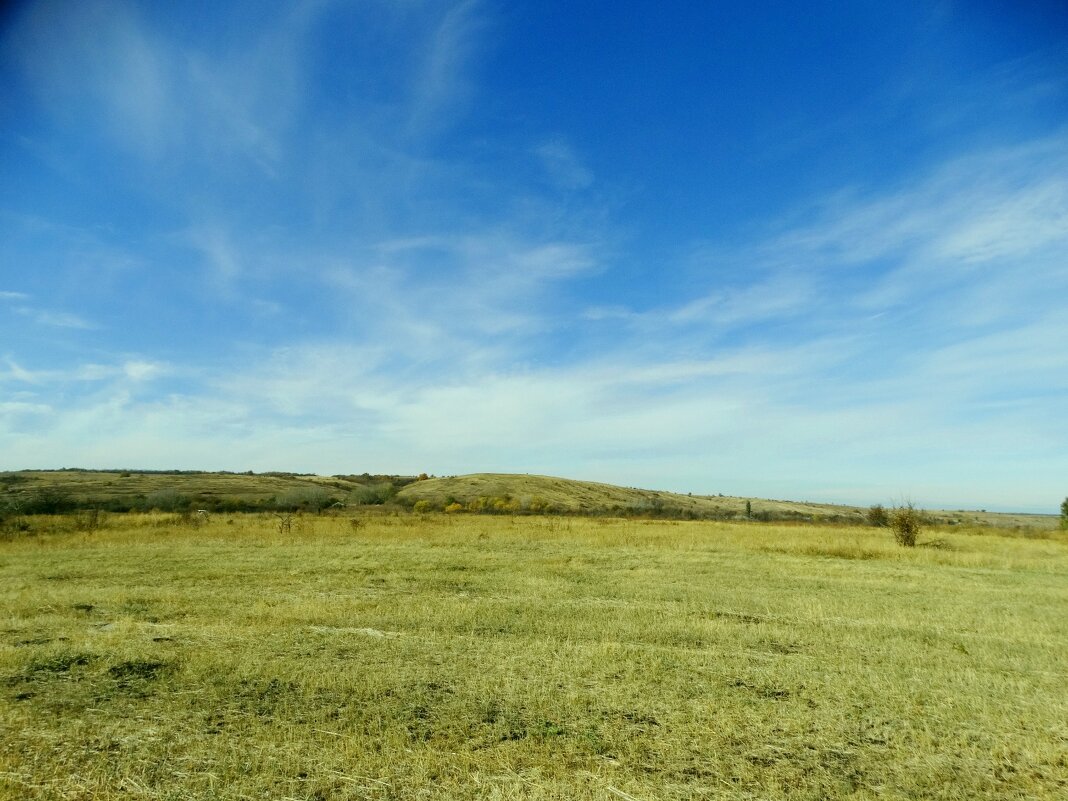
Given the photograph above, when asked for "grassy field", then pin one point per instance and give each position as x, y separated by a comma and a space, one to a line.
458, 656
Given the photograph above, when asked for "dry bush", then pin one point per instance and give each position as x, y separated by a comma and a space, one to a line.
905, 522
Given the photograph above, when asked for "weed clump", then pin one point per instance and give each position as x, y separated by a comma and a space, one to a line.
90, 520
60, 663
147, 669
905, 522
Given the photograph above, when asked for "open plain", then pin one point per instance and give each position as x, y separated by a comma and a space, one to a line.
401, 656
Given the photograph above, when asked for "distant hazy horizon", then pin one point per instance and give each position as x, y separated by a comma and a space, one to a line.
812, 253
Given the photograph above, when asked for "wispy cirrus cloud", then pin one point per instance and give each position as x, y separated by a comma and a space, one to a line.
439, 292
978, 241
218, 253
151, 93
58, 319
61, 319
439, 82
563, 165
130, 369
1010, 200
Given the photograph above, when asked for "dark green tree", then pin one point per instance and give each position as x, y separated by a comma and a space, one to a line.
1064, 514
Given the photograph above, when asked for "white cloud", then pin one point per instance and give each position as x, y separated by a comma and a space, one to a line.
132, 370
58, 319
99, 63
94, 59
219, 253
563, 165
971, 243
1007, 202
1016, 224
439, 83
744, 422
461, 297
779, 296
138, 370
15, 372
11, 408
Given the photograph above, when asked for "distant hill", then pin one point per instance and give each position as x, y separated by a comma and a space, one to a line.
172, 490
509, 492
32, 491
514, 492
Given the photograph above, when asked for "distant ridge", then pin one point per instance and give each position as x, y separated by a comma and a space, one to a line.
505, 492
565, 495
35, 491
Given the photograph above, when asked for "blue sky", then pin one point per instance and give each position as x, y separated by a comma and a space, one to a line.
811, 251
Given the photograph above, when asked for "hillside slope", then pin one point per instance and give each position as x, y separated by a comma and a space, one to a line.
122, 490
45, 491
549, 493
508, 492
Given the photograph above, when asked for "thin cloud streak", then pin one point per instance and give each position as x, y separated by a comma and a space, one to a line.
439, 84
57, 319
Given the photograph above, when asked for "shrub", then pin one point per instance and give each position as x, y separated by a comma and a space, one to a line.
305, 498
905, 522
454, 507
166, 500
48, 501
538, 505
1064, 514
878, 516
506, 505
422, 506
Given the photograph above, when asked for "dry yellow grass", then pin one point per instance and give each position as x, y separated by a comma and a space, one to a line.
413, 657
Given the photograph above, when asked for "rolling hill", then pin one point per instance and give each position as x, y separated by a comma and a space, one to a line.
568, 496
29, 491
170, 490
